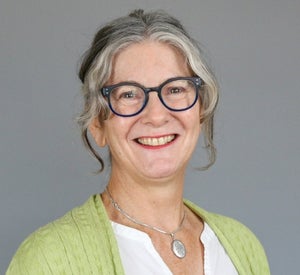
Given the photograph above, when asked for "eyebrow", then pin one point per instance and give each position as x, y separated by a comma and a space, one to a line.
139, 84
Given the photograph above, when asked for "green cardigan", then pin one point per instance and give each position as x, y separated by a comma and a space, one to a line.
83, 242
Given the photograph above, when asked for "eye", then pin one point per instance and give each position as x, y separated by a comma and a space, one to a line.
176, 90
129, 94
125, 92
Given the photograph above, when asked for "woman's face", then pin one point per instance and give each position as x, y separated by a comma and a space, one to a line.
157, 143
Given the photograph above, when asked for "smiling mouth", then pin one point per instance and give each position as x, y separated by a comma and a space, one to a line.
156, 141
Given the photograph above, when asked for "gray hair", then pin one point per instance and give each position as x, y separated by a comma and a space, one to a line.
96, 68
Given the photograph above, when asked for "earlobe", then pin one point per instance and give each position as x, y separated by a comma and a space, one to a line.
98, 133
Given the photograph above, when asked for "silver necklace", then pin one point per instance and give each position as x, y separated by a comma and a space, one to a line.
177, 246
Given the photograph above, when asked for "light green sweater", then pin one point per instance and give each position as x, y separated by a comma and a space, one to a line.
83, 242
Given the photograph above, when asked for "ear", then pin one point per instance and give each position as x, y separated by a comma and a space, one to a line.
98, 132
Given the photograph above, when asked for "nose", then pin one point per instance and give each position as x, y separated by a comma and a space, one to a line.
155, 112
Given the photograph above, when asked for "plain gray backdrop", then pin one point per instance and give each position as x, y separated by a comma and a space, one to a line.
252, 46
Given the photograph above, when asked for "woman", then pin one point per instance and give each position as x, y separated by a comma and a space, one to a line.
147, 96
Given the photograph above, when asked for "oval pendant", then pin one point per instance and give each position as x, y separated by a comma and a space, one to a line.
178, 249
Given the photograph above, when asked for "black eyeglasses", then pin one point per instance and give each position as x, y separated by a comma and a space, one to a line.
129, 98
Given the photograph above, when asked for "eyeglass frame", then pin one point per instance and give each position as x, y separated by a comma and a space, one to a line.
106, 91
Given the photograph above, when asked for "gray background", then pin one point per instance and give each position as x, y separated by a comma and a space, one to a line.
253, 46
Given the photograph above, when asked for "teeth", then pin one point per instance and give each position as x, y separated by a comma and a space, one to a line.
156, 141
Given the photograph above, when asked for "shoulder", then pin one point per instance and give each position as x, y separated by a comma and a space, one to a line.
40, 251
57, 244
241, 244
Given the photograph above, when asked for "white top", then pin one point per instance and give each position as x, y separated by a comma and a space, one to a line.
139, 256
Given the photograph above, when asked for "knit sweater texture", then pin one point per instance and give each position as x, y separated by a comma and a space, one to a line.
83, 242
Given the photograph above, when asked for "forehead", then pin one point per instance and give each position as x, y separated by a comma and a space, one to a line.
149, 63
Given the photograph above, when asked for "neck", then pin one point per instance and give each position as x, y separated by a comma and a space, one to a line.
155, 202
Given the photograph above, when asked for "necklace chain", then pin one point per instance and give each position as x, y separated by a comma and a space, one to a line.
178, 247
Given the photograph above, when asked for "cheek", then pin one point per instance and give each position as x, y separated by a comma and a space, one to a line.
194, 118
117, 130
195, 125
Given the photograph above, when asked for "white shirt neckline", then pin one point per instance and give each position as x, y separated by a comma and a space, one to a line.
139, 255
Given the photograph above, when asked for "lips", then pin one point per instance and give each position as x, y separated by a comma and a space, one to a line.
156, 141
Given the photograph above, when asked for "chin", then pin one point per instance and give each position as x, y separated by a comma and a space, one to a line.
160, 174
